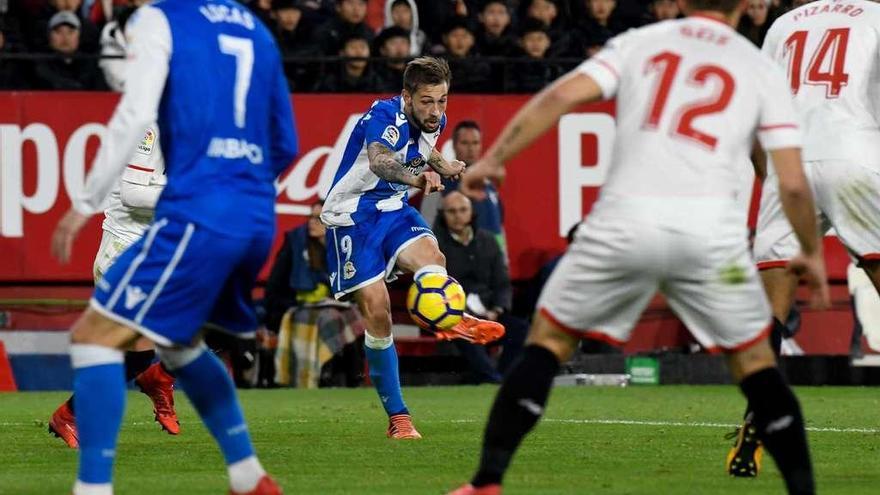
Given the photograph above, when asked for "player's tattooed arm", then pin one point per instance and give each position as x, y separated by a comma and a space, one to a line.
384, 165
441, 166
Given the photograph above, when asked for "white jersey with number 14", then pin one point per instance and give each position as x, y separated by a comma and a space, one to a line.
831, 50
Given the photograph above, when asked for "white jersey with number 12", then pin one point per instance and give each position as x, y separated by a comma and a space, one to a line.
692, 94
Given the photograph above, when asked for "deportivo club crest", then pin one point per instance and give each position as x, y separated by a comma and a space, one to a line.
348, 271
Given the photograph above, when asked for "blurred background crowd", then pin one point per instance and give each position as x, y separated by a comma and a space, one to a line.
493, 46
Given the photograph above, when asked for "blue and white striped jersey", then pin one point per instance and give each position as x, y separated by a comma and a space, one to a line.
357, 192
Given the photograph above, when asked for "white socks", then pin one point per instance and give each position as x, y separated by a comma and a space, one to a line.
429, 269
378, 343
245, 474
81, 488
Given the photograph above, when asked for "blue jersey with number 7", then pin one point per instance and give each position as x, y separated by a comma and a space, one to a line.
225, 115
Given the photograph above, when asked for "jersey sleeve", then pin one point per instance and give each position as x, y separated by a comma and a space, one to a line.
605, 67
778, 125
381, 127
284, 138
149, 51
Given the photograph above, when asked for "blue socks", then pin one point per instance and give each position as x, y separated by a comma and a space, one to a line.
384, 373
211, 391
99, 386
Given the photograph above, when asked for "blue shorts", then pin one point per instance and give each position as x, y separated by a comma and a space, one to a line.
361, 254
179, 277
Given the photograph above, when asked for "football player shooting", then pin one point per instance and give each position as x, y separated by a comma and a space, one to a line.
373, 231
672, 189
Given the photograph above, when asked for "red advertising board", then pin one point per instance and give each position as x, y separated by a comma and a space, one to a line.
47, 141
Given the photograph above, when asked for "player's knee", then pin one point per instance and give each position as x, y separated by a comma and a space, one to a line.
751, 360
176, 358
439, 258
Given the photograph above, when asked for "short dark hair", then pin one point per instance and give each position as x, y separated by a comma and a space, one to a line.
464, 124
725, 6
425, 71
532, 25
457, 22
490, 2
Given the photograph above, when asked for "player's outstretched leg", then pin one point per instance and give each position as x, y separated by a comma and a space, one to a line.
211, 391
776, 414
519, 404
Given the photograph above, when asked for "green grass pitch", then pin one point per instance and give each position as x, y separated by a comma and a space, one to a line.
332, 442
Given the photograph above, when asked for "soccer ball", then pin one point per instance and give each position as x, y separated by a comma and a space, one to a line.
435, 301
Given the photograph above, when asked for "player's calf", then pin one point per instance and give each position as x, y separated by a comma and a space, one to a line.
777, 416
210, 390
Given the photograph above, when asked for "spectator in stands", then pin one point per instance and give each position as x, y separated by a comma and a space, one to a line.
435, 13
531, 76
318, 327
475, 260
467, 144
551, 13
88, 32
600, 19
291, 31
294, 39
404, 14
664, 10
471, 75
350, 15
67, 73
392, 42
755, 24
353, 76
299, 273
317, 12
264, 10
494, 35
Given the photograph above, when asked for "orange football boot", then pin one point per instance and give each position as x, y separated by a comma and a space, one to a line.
266, 486
63, 426
473, 330
400, 426
158, 385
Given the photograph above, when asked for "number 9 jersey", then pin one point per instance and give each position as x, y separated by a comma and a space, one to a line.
691, 96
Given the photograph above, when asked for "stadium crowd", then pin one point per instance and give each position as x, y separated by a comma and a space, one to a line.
358, 45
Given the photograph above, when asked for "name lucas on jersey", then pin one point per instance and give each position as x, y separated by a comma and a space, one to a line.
232, 15
838, 8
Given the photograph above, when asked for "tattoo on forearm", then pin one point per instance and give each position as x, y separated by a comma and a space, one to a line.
383, 164
436, 159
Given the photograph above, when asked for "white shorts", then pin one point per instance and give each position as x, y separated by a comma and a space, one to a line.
614, 267
111, 247
847, 199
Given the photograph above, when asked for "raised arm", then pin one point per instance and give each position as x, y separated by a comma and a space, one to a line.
445, 168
